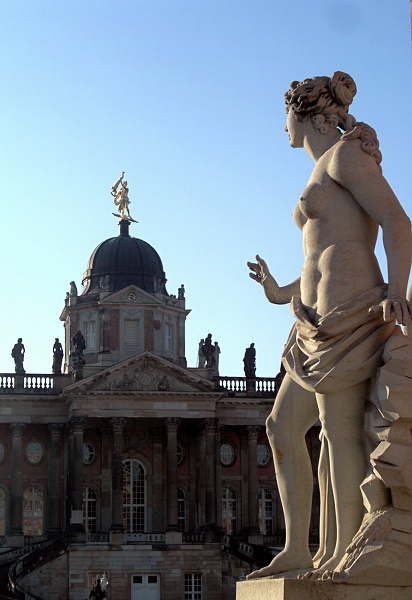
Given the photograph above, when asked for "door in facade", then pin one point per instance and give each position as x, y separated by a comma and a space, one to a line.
145, 587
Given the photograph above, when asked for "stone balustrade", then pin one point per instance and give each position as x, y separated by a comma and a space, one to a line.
193, 538
145, 538
97, 538
262, 385
32, 383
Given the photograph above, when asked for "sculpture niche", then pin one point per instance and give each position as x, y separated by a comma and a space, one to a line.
345, 331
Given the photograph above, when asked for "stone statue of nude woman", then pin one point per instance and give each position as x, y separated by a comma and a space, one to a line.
344, 312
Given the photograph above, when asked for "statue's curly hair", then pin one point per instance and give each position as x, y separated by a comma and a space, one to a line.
326, 100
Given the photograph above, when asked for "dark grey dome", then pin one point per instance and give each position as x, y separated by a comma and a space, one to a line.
125, 260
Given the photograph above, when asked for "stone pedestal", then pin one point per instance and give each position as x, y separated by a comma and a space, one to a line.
15, 541
297, 589
173, 537
255, 539
117, 538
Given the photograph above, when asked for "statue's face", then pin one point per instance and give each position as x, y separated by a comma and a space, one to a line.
297, 130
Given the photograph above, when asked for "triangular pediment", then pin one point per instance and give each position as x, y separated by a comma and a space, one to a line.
131, 295
145, 372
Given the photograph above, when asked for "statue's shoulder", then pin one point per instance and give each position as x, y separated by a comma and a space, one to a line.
348, 159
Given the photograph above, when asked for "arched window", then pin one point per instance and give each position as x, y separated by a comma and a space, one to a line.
181, 509
2, 512
229, 510
134, 497
89, 510
33, 511
265, 511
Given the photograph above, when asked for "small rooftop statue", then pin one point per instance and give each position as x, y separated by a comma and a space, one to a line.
78, 347
121, 199
249, 362
57, 357
18, 355
208, 355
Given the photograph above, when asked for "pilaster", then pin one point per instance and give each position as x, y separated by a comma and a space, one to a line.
117, 533
253, 481
76, 526
55, 487
15, 536
158, 513
172, 425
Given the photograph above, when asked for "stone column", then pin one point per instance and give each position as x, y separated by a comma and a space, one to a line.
76, 480
70, 473
15, 536
218, 474
210, 464
192, 504
55, 505
171, 427
106, 497
253, 480
117, 527
158, 512
201, 476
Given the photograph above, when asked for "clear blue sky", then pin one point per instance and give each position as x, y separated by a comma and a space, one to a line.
186, 97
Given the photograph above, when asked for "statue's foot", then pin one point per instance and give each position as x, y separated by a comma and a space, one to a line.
287, 560
324, 572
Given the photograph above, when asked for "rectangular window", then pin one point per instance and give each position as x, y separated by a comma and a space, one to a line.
193, 586
90, 334
169, 337
181, 510
145, 587
89, 510
131, 338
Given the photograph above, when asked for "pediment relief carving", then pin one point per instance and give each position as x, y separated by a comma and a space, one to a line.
145, 373
143, 377
131, 295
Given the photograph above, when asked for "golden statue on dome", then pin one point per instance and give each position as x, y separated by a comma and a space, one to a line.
121, 199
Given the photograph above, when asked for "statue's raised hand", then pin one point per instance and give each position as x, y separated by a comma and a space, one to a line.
274, 293
260, 270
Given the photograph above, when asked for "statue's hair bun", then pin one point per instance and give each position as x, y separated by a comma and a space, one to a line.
342, 88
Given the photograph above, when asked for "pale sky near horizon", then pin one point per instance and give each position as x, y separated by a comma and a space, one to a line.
186, 97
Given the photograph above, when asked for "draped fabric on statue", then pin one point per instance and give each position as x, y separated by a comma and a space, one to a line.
343, 349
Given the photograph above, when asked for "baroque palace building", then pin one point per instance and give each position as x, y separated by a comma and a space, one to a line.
130, 463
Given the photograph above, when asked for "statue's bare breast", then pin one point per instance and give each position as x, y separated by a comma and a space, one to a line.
338, 239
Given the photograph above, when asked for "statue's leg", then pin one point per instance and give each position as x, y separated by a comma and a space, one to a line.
294, 412
327, 518
342, 418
